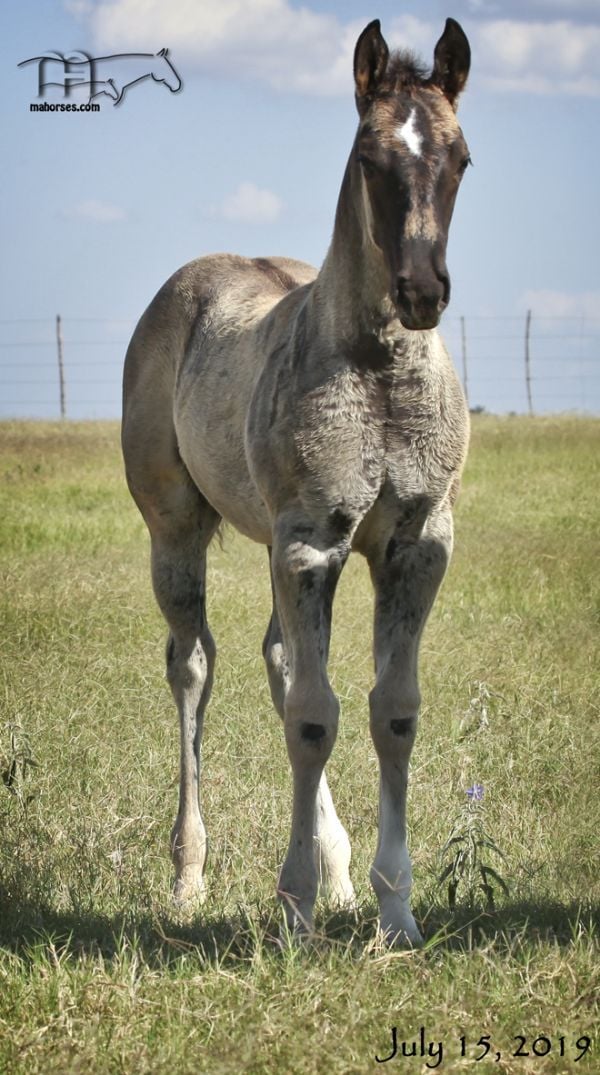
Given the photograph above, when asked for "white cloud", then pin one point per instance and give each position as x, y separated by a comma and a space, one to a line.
79, 8
481, 6
289, 48
562, 303
571, 6
572, 9
299, 50
538, 57
410, 32
251, 205
101, 212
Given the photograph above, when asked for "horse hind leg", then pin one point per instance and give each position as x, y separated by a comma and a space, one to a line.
332, 851
179, 584
331, 844
181, 524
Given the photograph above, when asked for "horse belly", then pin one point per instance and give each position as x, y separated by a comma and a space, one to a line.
225, 482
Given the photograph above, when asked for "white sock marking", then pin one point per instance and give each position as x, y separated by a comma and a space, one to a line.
409, 134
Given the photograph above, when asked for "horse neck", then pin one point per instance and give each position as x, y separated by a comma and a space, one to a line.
351, 291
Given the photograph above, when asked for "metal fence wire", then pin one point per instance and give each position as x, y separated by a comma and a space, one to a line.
71, 366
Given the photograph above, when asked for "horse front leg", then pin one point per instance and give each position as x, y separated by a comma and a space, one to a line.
331, 846
406, 577
306, 566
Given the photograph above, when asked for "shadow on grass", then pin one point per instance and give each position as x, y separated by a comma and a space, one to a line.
164, 939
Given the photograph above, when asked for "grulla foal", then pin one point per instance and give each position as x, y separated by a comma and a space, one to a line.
318, 413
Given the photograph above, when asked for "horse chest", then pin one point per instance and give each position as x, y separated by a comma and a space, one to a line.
367, 426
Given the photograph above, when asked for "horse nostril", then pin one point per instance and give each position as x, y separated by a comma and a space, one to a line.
445, 282
402, 286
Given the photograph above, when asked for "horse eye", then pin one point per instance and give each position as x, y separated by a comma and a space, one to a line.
368, 166
464, 164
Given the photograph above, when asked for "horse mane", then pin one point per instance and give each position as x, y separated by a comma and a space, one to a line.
405, 70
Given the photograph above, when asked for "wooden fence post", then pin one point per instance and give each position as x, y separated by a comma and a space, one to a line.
463, 333
61, 367
528, 361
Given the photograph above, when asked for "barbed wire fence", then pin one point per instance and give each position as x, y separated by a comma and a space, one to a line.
71, 367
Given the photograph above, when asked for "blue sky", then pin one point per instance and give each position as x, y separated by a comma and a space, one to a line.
99, 209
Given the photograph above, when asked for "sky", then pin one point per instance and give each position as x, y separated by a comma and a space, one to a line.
98, 209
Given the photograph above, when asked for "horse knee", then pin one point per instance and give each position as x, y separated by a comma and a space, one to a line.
394, 713
311, 716
190, 667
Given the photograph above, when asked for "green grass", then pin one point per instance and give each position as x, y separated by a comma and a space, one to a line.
98, 974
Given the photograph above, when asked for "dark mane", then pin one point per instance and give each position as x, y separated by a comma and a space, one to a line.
404, 71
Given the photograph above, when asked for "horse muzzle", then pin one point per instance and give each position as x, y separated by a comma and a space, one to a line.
421, 308
422, 285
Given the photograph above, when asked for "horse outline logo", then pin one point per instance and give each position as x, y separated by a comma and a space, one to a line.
156, 66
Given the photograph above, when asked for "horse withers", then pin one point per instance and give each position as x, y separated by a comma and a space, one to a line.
319, 413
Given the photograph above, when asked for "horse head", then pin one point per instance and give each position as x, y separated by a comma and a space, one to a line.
407, 163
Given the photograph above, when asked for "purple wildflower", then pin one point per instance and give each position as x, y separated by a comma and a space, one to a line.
475, 793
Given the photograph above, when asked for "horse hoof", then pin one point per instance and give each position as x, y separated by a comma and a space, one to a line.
298, 937
401, 935
189, 888
340, 897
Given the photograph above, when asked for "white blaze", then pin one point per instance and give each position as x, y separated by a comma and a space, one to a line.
409, 134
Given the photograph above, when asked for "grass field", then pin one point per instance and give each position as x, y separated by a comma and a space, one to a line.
98, 974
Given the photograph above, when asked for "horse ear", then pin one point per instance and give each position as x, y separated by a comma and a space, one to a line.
451, 61
370, 59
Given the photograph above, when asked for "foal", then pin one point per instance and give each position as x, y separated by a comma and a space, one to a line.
318, 413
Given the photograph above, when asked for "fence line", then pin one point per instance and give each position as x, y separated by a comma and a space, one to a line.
526, 363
